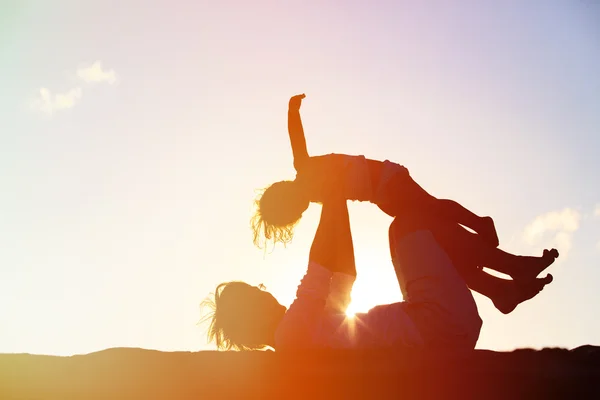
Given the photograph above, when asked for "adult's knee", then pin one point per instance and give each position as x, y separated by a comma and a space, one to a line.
397, 231
393, 227
408, 223
400, 227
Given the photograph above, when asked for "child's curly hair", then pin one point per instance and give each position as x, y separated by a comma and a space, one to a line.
274, 217
231, 319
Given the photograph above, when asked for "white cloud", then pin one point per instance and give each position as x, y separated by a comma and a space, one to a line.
48, 103
553, 229
95, 74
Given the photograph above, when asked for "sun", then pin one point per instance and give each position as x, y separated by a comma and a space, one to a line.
350, 311
376, 283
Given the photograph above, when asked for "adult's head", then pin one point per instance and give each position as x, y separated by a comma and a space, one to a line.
243, 317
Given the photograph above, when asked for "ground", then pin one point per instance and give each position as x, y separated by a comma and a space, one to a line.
129, 373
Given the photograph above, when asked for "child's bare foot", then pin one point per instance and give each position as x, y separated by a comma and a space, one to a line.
531, 267
516, 293
487, 231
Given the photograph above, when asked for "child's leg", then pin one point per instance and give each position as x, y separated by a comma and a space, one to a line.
396, 193
466, 248
484, 226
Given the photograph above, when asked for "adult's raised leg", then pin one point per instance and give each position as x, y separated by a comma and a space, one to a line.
436, 296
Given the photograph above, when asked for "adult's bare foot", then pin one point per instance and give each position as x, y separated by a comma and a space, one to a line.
516, 293
530, 267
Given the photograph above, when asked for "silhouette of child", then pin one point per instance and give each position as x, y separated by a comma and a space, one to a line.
438, 310
386, 184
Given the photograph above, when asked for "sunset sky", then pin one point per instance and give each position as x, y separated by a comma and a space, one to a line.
134, 134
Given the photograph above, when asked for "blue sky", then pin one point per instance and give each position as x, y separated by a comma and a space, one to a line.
133, 138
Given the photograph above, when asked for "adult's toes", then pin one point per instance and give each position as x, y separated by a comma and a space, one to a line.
551, 253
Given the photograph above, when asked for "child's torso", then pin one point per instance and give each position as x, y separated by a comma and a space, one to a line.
345, 174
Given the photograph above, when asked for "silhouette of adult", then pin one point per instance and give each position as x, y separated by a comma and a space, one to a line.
438, 311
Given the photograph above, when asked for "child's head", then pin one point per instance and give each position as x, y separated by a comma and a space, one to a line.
244, 317
278, 210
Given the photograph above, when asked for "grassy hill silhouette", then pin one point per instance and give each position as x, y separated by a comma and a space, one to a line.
130, 373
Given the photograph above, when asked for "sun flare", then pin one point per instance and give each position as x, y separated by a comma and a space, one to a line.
376, 282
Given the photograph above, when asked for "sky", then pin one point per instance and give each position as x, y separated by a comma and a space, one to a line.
134, 135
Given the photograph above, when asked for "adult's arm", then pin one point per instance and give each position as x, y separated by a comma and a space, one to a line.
296, 132
342, 264
331, 254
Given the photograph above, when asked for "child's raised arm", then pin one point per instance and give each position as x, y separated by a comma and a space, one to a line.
296, 132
